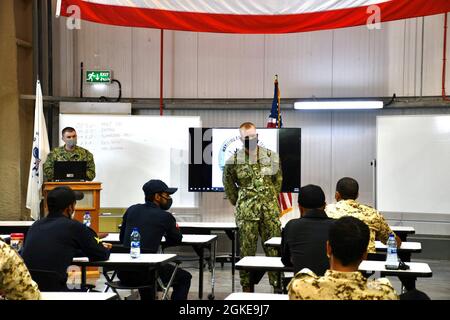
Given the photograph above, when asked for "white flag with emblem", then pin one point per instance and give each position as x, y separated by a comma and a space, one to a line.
39, 152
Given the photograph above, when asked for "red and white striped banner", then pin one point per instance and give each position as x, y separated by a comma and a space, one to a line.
249, 16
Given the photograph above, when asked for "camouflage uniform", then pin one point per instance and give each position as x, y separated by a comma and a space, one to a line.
379, 229
336, 285
252, 185
15, 280
78, 154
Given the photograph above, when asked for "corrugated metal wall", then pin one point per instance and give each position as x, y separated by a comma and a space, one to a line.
404, 57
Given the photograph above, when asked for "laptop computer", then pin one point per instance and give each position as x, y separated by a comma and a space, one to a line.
69, 171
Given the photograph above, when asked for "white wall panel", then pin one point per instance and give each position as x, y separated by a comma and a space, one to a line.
145, 62
316, 146
63, 53
377, 71
433, 47
352, 150
394, 47
247, 67
169, 44
185, 65
350, 62
230, 66
412, 59
354, 61
303, 62
106, 48
213, 71
378, 62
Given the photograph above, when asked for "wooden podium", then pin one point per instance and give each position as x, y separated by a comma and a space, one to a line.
90, 202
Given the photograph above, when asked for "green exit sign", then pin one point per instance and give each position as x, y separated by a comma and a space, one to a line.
102, 76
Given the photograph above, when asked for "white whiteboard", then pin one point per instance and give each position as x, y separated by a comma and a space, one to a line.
413, 164
130, 150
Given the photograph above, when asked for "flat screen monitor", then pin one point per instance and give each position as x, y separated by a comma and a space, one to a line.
210, 148
69, 170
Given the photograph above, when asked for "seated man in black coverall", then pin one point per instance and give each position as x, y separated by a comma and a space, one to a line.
154, 222
304, 240
53, 242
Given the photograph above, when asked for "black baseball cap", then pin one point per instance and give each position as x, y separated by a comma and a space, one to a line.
157, 186
311, 197
61, 197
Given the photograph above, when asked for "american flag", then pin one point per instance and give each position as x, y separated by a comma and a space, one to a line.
275, 121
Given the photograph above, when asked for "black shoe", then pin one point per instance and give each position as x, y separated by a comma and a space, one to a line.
248, 289
277, 290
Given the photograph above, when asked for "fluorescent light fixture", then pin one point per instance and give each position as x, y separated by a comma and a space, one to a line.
338, 105
99, 86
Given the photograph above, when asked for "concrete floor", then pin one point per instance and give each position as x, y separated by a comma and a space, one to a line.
437, 287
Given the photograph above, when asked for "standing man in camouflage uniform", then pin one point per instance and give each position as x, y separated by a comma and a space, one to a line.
346, 194
252, 180
346, 248
70, 152
15, 279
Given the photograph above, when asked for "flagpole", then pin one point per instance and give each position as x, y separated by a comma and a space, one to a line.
161, 74
58, 8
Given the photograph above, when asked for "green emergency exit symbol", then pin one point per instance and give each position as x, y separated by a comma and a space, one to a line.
103, 76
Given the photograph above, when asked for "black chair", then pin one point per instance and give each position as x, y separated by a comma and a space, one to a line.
414, 294
207, 257
48, 280
376, 256
118, 285
51, 281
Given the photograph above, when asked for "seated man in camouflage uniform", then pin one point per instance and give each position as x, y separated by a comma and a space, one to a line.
15, 279
346, 247
70, 152
252, 180
346, 194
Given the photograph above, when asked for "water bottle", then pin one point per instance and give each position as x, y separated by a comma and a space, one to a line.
135, 246
87, 219
16, 241
391, 256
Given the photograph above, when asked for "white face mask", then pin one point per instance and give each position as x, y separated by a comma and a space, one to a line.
72, 213
71, 143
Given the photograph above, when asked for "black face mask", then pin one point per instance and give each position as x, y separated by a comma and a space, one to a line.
250, 144
166, 206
